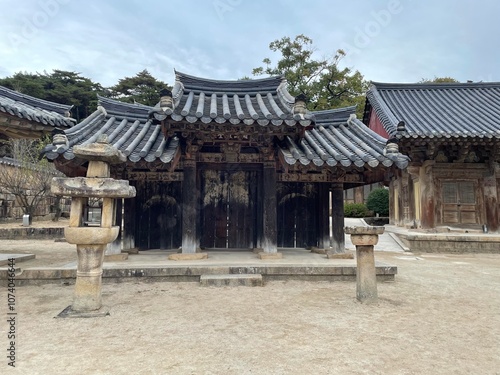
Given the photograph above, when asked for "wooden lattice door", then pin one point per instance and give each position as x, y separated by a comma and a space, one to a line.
459, 202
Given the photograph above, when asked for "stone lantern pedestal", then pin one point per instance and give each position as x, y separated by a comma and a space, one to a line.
365, 238
90, 241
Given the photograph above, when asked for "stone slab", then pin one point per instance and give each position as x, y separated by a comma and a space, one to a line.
68, 312
269, 256
4, 258
341, 270
231, 280
29, 233
440, 243
98, 187
188, 256
340, 255
116, 257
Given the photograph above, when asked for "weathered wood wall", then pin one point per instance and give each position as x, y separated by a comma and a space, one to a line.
157, 215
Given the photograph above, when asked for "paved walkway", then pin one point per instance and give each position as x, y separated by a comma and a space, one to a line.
386, 242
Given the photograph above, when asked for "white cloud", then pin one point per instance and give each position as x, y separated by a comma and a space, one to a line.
106, 41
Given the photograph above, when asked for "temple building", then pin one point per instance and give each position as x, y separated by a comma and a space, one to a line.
451, 132
232, 164
24, 116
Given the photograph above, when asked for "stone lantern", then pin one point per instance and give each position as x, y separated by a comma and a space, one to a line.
91, 241
365, 238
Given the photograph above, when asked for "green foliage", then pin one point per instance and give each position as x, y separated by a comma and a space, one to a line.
61, 87
439, 80
143, 88
355, 210
378, 201
324, 83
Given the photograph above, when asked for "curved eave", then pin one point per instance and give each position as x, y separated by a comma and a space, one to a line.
348, 145
438, 110
138, 139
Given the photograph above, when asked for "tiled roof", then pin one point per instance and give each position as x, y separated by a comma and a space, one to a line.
438, 110
129, 129
339, 138
262, 101
34, 109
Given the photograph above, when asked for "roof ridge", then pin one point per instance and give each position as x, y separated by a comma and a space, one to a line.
35, 102
280, 77
432, 85
336, 110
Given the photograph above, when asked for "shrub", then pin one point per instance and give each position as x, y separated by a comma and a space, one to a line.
355, 210
378, 201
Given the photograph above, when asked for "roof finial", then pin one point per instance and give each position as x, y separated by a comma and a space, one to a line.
300, 105
166, 100
391, 147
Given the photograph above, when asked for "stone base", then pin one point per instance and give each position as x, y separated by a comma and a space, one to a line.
188, 256
315, 250
4, 258
68, 312
269, 256
257, 250
134, 250
231, 280
115, 257
340, 255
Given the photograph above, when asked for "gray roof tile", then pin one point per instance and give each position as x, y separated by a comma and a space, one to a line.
34, 109
338, 137
262, 101
128, 128
438, 110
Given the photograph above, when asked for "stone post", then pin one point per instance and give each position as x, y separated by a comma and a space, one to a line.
91, 242
364, 238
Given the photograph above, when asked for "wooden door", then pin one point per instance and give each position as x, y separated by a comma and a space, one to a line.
158, 215
228, 218
460, 202
297, 214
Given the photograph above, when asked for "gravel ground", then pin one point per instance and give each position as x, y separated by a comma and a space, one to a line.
440, 316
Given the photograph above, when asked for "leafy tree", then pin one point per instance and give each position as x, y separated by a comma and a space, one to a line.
143, 88
378, 201
28, 179
61, 87
321, 80
439, 80
355, 210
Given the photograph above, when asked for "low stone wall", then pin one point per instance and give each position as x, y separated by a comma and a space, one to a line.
458, 244
28, 233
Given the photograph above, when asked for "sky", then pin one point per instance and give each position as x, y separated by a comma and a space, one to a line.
385, 40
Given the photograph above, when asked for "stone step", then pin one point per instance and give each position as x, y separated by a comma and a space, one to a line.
231, 280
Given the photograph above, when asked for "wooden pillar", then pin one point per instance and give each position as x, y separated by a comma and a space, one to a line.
189, 200
128, 234
114, 247
270, 226
323, 216
491, 201
359, 194
338, 240
427, 199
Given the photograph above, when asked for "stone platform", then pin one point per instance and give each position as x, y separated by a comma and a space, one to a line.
446, 240
154, 265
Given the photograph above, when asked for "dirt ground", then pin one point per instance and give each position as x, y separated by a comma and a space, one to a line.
440, 316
